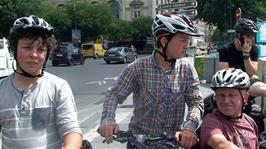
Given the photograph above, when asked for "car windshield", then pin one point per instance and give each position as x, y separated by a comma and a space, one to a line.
86, 47
61, 49
115, 49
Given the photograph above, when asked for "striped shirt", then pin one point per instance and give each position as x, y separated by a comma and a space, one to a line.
159, 97
39, 117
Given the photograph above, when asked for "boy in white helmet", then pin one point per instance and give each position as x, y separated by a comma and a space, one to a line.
227, 126
37, 109
161, 86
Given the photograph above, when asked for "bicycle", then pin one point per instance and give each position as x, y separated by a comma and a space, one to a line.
163, 141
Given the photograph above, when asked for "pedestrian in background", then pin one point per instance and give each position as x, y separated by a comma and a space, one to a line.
37, 109
162, 84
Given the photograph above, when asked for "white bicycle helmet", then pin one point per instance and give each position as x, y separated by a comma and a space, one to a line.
230, 78
173, 23
32, 22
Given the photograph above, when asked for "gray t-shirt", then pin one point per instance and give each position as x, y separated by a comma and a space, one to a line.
39, 117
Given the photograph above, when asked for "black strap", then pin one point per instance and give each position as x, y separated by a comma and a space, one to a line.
24, 73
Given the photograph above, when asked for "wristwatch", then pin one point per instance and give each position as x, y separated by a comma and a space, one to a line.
246, 56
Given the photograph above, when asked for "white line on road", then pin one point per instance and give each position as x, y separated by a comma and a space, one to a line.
110, 78
96, 82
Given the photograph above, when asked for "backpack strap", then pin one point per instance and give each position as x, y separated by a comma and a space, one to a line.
252, 122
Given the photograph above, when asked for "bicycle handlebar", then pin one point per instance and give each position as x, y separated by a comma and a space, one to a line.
127, 136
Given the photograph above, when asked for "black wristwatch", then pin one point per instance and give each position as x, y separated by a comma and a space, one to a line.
246, 56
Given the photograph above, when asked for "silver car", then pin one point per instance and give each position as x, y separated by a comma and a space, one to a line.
120, 54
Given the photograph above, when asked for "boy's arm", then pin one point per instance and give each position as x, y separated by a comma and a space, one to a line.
73, 141
218, 141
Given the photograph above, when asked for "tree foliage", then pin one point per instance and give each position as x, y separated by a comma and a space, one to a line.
12, 9
222, 12
141, 27
93, 20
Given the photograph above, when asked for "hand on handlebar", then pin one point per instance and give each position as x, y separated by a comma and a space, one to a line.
186, 138
107, 131
146, 140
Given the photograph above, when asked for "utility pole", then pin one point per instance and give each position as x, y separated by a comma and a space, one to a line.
75, 11
230, 14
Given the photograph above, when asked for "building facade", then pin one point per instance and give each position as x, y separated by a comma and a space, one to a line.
127, 9
130, 9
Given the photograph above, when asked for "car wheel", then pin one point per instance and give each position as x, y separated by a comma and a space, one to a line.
54, 64
82, 62
125, 60
70, 63
95, 56
135, 58
108, 62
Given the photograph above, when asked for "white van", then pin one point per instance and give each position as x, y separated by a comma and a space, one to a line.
5, 59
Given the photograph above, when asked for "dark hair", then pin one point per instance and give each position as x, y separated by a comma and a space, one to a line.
163, 34
31, 33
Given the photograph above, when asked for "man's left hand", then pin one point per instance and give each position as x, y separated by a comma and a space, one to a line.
186, 138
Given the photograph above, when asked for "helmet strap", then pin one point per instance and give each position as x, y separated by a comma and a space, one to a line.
25, 74
163, 54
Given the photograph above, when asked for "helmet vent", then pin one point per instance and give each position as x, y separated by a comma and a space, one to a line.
25, 21
228, 79
159, 23
218, 80
35, 20
178, 26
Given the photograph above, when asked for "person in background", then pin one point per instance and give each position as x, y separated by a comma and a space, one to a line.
37, 109
162, 84
242, 54
227, 126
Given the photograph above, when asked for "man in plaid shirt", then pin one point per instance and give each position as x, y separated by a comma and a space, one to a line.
162, 84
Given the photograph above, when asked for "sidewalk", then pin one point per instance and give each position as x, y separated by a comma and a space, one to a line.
123, 115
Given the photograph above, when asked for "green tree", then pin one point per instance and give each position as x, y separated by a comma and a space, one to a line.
119, 29
92, 19
12, 9
222, 13
58, 17
141, 28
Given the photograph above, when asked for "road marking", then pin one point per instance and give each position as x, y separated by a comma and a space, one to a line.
110, 78
92, 134
96, 82
101, 82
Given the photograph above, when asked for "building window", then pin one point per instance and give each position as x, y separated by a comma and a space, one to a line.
137, 13
115, 6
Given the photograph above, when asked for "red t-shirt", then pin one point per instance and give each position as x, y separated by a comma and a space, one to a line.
242, 132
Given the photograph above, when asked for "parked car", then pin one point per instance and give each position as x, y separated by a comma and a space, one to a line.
67, 54
120, 54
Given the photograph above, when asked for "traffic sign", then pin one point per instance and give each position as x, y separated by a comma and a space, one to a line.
179, 5
230, 31
189, 12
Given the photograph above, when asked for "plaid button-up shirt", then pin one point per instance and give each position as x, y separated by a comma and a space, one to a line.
159, 97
